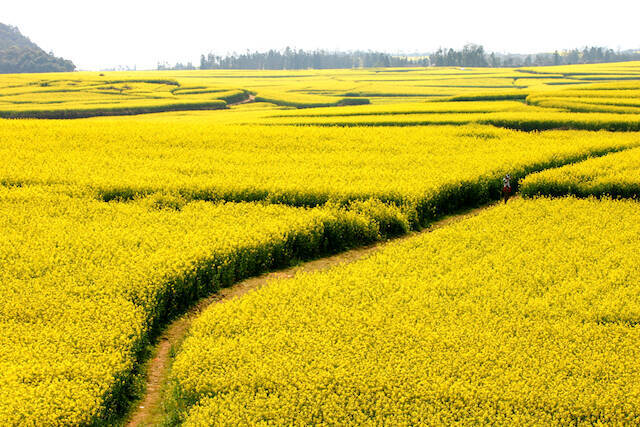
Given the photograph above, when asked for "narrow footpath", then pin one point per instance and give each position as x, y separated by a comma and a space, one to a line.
149, 411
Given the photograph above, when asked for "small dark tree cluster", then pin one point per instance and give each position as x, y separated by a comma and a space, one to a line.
178, 66
472, 55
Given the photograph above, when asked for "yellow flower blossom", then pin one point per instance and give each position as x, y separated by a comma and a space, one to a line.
614, 175
83, 283
524, 314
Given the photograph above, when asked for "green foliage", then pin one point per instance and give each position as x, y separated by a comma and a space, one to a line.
19, 55
80, 112
354, 101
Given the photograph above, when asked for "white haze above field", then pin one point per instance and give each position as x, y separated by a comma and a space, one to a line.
105, 34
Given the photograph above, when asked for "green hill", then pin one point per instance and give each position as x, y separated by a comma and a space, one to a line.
18, 54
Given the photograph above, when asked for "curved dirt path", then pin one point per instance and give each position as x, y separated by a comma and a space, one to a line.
149, 412
251, 98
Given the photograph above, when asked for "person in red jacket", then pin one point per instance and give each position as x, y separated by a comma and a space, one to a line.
506, 187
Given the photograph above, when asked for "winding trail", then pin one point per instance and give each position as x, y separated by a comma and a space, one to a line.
149, 412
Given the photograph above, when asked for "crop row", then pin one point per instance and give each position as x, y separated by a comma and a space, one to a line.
426, 171
535, 119
407, 108
124, 108
614, 175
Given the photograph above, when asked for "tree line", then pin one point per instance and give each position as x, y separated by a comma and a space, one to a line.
474, 56
292, 59
471, 55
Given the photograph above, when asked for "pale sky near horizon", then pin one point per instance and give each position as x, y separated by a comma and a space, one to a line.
105, 34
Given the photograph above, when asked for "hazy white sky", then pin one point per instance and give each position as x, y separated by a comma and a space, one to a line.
108, 33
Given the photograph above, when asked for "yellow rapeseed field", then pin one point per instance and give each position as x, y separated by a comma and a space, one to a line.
111, 225
614, 175
618, 97
86, 94
426, 170
526, 314
84, 282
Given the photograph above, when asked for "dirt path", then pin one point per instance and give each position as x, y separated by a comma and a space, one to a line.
251, 98
149, 412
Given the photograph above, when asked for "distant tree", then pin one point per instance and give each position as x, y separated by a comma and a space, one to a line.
494, 61
542, 59
473, 56
573, 57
